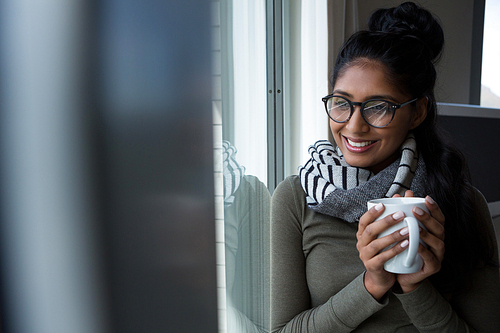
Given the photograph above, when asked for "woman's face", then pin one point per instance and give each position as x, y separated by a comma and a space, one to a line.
362, 145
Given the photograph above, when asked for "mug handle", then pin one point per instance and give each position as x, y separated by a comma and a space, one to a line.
414, 231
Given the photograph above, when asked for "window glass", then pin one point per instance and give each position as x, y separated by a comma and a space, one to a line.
242, 197
240, 32
490, 85
249, 132
306, 79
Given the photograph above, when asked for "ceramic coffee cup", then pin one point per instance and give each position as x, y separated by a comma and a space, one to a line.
408, 261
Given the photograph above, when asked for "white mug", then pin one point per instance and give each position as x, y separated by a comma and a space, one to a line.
408, 261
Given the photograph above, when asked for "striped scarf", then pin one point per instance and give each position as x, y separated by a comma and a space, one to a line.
335, 188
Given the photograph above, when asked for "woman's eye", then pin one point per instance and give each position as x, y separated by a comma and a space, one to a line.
377, 107
340, 103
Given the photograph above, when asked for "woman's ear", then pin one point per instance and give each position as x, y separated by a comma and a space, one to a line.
420, 112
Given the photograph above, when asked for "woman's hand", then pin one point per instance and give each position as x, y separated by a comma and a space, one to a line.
377, 280
434, 238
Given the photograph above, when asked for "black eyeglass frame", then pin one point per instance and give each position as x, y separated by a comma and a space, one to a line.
393, 106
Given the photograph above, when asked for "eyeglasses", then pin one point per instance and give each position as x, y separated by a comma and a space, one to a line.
376, 112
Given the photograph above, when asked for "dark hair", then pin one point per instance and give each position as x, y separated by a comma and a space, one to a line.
408, 41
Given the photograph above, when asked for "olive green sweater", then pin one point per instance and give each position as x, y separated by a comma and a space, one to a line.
317, 280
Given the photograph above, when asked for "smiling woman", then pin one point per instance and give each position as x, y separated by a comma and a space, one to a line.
327, 268
362, 144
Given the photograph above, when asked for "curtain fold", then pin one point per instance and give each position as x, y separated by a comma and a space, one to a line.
343, 21
305, 78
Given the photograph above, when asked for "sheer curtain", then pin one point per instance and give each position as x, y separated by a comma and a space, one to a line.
250, 91
343, 21
240, 125
314, 73
306, 78
314, 32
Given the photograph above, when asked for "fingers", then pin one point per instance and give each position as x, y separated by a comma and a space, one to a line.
432, 263
377, 280
371, 215
369, 227
434, 210
373, 254
435, 245
408, 193
370, 246
433, 237
434, 222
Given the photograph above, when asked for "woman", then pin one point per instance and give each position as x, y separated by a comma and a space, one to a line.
327, 263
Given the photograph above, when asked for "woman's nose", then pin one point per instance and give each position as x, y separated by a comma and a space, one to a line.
357, 124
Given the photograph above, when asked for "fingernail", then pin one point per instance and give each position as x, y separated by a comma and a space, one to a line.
430, 200
404, 231
398, 215
418, 210
379, 207
404, 243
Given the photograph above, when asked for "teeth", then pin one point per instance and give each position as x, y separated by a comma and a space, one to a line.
359, 144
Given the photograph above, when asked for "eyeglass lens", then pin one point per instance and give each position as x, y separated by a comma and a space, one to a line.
376, 112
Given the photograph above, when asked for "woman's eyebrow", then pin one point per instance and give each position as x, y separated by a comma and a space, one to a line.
341, 92
344, 93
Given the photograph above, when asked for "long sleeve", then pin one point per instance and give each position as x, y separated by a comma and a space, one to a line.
476, 311
430, 312
291, 309
317, 280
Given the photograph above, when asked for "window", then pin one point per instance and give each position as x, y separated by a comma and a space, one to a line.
490, 85
242, 197
306, 79
244, 97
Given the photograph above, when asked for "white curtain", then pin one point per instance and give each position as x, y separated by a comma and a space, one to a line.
250, 91
343, 21
314, 32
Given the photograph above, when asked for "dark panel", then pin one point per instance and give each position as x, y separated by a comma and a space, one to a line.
477, 138
157, 164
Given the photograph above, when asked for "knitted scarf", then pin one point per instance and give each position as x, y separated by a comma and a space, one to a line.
335, 188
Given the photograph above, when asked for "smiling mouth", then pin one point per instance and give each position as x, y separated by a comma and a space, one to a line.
359, 144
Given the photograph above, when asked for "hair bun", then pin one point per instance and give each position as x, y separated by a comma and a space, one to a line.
410, 20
